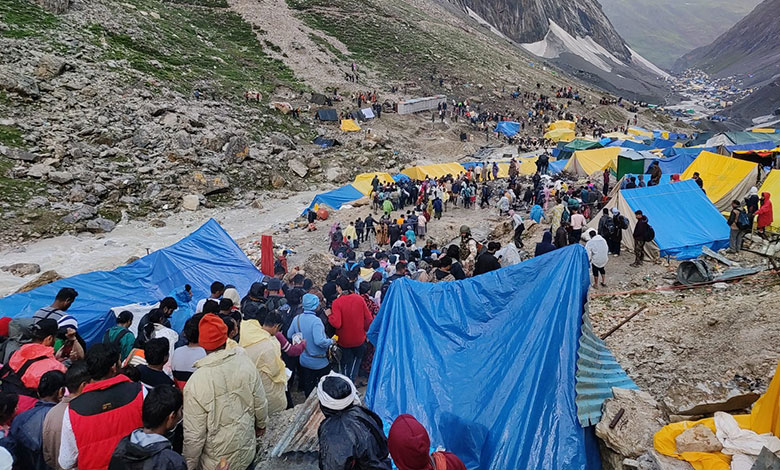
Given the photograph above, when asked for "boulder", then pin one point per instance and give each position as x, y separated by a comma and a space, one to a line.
298, 167
699, 438
256, 204
334, 174
84, 212
77, 194
39, 170
44, 278
317, 266
237, 148
49, 67
277, 181
206, 184
313, 163
22, 269
190, 202
61, 177
100, 225
707, 398
20, 84
21, 155
633, 433
282, 140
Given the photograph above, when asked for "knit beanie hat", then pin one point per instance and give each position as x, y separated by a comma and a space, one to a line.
310, 302
212, 332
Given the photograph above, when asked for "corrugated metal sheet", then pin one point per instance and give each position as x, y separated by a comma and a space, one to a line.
597, 373
301, 436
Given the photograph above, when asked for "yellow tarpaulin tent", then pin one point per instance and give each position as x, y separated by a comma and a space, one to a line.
363, 181
434, 171
349, 125
561, 125
764, 418
765, 130
556, 135
725, 178
772, 186
638, 131
618, 135
587, 162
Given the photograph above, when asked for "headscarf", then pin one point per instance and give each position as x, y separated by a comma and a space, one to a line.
409, 444
615, 211
754, 191
333, 403
232, 294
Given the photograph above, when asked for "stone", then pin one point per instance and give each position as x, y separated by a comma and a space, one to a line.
158, 223
82, 213
317, 267
634, 432
313, 163
190, 202
334, 174
21, 155
652, 460
282, 140
36, 202
20, 84
141, 138
206, 184
707, 398
22, 269
298, 167
39, 170
699, 438
183, 140
766, 461
277, 181
237, 148
170, 120
77, 194
100, 225
49, 67
60, 177
256, 204
44, 278
55, 6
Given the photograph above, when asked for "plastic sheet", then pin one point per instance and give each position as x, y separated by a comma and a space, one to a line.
336, 198
725, 178
771, 185
208, 254
487, 368
508, 128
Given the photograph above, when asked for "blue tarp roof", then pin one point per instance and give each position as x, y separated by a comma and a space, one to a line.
695, 151
207, 255
557, 166
662, 143
400, 177
630, 144
768, 145
508, 128
487, 368
677, 164
683, 217
336, 198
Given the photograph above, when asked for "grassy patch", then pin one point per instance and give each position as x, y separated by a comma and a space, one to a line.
203, 3
16, 192
326, 46
11, 136
24, 18
189, 47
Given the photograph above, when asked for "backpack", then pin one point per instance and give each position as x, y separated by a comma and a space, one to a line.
624, 224
609, 226
118, 340
565, 216
743, 220
650, 233
11, 382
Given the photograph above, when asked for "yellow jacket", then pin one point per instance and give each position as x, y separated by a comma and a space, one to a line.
266, 353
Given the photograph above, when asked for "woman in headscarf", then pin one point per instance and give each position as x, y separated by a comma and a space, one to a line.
752, 201
409, 445
351, 436
545, 246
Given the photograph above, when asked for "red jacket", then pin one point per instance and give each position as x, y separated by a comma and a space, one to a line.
101, 416
36, 370
351, 320
764, 214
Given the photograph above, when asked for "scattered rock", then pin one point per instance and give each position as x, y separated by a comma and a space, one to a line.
39, 170
100, 225
705, 399
652, 460
55, 6
237, 148
206, 184
44, 278
82, 213
699, 438
61, 177
277, 181
317, 266
633, 434
20, 84
22, 155
298, 167
49, 67
281, 140
159, 223
313, 163
256, 204
22, 269
190, 202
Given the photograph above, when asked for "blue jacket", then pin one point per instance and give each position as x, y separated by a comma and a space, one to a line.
315, 355
26, 437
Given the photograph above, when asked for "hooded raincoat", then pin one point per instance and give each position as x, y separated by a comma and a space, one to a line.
266, 353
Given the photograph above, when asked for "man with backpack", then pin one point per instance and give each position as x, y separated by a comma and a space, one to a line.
36, 358
739, 221
56, 311
643, 233
619, 223
606, 224
120, 335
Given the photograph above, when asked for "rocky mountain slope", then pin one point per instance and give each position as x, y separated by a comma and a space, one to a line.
664, 30
576, 36
749, 50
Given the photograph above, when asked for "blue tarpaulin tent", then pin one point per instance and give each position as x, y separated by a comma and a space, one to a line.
667, 206
678, 163
662, 143
695, 151
768, 145
487, 368
206, 255
400, 177
336, 198
508, 128
557, 166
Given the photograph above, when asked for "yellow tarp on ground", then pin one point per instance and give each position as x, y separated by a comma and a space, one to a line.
586, 162
725, 178
765, 130
557, 135
765, 418
363, 181
433, 171
772, 186
349, 125
639, 132
561, 125
618, 135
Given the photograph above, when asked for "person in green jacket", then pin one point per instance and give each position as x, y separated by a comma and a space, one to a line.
387, 206
120, 335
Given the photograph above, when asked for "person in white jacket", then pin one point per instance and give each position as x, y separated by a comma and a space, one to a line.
598, 254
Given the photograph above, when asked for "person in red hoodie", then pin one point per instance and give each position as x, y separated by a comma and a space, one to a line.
351, 318
764, 215
109, 408
409, 445
34, 359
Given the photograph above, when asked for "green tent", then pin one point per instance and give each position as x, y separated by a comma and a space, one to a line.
630, 161
568, 148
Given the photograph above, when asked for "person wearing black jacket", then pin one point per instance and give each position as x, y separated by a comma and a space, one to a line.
642, 235
546, 246
453, 251
562, 235
487, 261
